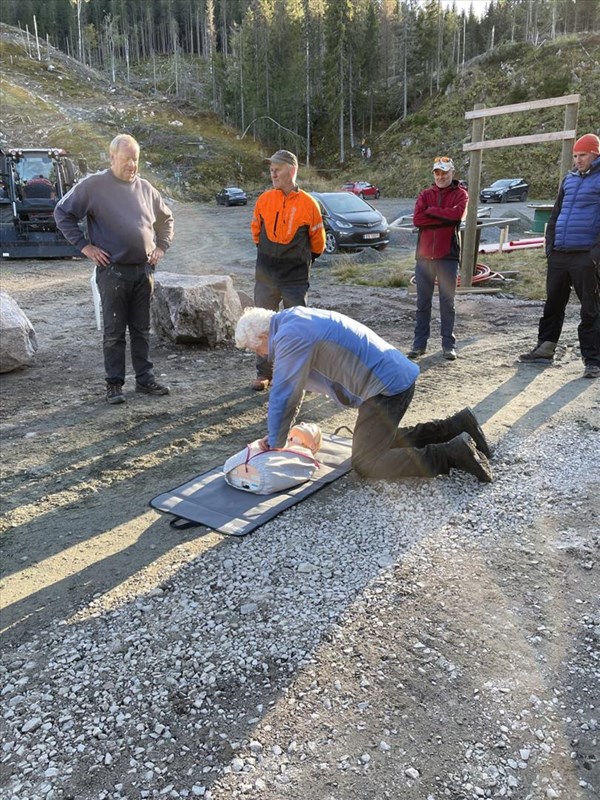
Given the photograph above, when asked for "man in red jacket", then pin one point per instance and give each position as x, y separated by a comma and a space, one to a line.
438, 213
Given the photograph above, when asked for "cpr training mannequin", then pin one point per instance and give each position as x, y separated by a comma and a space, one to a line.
268, 471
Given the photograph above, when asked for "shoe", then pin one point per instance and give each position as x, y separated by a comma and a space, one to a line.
260, 384
591, 371
114, 393
467, 421
542, 353
463, 454
152, 388
416, 352
450, 354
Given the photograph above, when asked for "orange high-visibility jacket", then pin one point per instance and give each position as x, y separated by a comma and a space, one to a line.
288, 231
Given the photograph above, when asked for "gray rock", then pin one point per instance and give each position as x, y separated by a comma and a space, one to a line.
245, 299
18, 343
195, 309
31, 725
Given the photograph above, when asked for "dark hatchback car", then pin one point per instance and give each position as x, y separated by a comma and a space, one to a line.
504, 190
232, 196
351, 223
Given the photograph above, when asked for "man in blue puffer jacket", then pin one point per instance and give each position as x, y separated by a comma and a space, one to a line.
326, 352
573, 252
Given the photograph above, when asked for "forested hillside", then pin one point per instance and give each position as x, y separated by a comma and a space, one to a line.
205, 85
508, 74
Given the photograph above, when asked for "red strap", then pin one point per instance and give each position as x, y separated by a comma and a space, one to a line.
248, 457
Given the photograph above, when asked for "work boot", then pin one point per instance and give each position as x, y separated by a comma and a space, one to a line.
542, 353
439, 431
591, 371
114, 393
416, 352
459, 453
260, 384
466, 422
153, 387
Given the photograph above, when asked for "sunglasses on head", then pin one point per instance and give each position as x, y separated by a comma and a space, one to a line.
444, 159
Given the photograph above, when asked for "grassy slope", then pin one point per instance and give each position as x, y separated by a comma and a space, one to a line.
59, 103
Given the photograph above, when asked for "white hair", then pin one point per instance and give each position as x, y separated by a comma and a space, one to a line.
251, 327
122, 140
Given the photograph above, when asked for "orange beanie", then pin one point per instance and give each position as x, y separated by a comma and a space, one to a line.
589, 143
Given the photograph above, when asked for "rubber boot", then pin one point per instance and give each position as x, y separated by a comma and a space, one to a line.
459, 453
439, 431
543, 352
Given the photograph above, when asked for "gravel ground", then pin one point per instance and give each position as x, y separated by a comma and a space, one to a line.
325, 656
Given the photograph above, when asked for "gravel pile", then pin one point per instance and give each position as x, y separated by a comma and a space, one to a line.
335, 653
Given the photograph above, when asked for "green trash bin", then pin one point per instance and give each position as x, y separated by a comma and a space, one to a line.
541, 215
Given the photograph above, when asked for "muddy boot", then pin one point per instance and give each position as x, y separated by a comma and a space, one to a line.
460, 453
439, 431
543, 353
466, 422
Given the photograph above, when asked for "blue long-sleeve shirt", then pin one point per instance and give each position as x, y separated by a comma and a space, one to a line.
126, 219
326, 352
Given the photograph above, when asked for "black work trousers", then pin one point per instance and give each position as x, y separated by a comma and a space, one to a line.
125, 291
267, 295
576, 270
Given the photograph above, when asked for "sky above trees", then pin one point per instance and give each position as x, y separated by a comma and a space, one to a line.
479, 6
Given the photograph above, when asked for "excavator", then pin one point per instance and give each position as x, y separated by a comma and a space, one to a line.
32, 181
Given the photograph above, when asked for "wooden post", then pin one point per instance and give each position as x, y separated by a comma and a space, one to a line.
469, 254
566, 156
503, 237
472, 232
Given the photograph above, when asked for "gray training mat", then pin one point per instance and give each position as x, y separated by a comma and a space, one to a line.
207, 500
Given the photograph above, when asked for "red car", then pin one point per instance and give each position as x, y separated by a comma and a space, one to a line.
362, 189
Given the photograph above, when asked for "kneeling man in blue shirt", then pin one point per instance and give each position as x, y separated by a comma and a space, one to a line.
323, 351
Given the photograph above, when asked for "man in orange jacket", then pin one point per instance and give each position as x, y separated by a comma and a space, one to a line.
288, 231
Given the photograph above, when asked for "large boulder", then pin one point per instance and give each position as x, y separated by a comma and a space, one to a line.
201, 309
18, 344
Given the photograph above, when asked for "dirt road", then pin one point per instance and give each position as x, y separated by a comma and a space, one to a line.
78, 474
73, 466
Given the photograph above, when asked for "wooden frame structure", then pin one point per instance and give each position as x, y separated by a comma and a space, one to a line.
478, 145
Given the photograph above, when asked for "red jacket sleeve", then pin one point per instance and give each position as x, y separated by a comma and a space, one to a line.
432, 216
454, 213
421, 218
